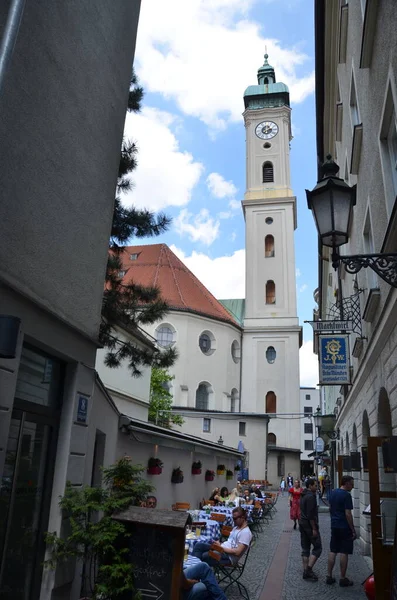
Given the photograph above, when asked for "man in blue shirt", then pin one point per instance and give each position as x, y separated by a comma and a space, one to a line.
343, 533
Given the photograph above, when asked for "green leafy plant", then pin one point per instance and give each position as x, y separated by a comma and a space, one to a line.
197, 465
237, 468
93, 533
229, 474
160, 403
221, 468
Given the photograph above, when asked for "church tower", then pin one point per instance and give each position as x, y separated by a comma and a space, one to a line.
270, 369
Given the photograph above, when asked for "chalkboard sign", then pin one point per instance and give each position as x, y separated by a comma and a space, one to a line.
156, 541
364, 456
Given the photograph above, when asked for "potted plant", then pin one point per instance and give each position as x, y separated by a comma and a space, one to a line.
154, 466
237, 468
98, 545
220, 469
229, 474
196, 468
209, 475
177, 475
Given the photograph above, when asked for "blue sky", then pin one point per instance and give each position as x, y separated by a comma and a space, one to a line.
194, 59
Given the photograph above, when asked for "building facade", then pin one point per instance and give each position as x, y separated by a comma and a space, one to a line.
271, 338
238, 362
62, 105
356, 98
309, 401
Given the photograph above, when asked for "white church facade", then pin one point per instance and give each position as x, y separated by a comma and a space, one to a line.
236, 380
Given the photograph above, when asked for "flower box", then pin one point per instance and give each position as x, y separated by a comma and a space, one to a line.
177, 476
155, 466
155, 470
229, 474
209, 475
220, 469
196, 468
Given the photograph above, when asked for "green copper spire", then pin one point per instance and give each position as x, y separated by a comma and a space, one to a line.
267, 93
266, 73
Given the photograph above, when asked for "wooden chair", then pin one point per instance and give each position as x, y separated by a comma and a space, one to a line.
181, 506
231, 573
225, 532
218, 517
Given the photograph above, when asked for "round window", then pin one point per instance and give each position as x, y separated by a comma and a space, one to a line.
205, 343
165, 336
236, 351
271, 355
268, 221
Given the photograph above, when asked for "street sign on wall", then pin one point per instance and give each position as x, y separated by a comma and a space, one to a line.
331, 325
334, 359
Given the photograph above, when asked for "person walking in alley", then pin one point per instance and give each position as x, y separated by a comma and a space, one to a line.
295, 492
343, 532
308, 527
282, 486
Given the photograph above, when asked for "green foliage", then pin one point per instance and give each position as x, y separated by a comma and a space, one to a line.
155, 462
94, 535
160, 405
130, 305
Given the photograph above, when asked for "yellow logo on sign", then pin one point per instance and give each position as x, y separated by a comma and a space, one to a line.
332, 347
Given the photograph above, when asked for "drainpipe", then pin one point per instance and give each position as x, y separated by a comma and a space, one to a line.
10, 35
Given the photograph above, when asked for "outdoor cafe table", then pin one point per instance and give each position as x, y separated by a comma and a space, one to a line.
228, 512
211, 533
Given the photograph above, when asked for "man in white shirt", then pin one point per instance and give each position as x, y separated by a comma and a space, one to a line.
233, 548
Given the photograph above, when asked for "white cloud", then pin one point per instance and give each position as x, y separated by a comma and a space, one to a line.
165, 176
204, 53
223, 276
298, 272
308, 365
199, 228
303, 288
219, 187
234, 204
225, 214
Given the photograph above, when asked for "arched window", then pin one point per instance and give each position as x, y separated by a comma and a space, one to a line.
266, 81
270, 292
267, 172
271, 403
271, 439
202, 395
269, 246
234, 400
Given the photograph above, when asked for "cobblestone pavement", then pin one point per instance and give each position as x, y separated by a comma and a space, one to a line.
293, 586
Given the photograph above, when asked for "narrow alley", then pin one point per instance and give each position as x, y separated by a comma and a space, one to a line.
274, 568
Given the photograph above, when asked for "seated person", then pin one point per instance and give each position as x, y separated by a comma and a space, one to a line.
233, 498
233, 548
199, 583
254, 489
223, 496
150, 502
214, 495
247, 497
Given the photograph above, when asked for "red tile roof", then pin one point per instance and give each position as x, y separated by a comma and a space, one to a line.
158, 266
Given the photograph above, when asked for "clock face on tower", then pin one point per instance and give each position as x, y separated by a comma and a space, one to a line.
266, 130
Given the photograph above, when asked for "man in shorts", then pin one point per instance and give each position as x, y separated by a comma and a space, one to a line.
308, 527
343, 532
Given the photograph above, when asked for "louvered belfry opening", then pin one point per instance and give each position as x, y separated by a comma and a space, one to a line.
268, 174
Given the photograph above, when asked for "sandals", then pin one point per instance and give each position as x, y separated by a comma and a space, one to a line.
345, 582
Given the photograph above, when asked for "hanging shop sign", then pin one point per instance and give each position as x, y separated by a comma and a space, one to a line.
331, 325
319, 445
334, 359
